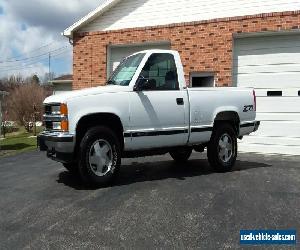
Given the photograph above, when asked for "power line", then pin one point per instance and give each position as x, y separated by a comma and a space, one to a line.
34, 50
32, 57
32, 64
34, 60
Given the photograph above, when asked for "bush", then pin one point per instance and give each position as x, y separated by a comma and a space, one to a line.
26, 104
8, 127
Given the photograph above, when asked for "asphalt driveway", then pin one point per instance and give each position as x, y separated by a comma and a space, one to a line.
154, 203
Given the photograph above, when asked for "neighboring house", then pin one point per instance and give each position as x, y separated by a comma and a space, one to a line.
62, 84
222, 43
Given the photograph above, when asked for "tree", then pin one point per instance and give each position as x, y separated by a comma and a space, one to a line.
26, 102
35, 79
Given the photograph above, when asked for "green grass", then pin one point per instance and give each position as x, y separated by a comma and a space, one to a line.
16, 143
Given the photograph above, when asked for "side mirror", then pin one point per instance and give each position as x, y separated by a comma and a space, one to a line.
141, 84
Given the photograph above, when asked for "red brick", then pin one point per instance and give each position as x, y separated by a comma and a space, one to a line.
208, 41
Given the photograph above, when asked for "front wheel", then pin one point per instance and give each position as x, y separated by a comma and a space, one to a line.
100, 156
181, 155
222, 148
71, 167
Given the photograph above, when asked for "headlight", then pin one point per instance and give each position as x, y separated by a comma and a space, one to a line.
55, 110
61, 109
56, 125
56, 117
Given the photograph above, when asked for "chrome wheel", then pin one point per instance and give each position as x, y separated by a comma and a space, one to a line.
101, 158
225, 148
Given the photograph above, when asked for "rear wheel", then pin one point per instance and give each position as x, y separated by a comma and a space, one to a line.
222, 148
100, 156
181, 155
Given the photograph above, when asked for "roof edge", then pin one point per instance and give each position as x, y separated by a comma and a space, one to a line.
89, 17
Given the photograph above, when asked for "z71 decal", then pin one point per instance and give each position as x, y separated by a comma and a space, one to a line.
248, 108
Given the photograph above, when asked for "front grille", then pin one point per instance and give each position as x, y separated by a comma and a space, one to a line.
48, 110
48, 125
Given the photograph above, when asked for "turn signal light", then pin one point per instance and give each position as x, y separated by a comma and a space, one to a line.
63, 109
64, 125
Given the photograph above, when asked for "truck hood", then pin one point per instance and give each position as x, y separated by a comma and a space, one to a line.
64, 97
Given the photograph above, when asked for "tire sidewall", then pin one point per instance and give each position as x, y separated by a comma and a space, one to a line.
213, 153
87, 174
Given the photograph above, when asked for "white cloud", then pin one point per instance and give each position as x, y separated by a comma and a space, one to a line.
28, 25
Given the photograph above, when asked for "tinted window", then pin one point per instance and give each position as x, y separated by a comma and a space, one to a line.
161, 72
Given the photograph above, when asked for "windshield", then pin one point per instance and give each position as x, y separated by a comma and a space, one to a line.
126, 70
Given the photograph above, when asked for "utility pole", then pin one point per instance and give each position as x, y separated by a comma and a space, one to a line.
49, 69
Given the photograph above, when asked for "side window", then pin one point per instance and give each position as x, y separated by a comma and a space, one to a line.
161, 72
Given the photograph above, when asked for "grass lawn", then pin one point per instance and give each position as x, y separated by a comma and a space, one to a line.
15, 143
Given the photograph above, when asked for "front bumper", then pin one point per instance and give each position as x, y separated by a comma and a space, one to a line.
59, 146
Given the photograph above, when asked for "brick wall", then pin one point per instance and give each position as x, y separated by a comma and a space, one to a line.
203, 46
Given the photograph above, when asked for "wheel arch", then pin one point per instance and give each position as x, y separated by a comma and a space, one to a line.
231, 117
110, 120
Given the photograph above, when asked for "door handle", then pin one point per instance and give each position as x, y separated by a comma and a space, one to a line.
179, 101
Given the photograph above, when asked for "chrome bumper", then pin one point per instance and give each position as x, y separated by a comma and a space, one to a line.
59, 146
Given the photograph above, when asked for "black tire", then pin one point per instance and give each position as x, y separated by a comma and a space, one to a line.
87, 170
217, 160
71, 167
181, 155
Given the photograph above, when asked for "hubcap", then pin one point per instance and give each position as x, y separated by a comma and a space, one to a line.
101, 158
225, 148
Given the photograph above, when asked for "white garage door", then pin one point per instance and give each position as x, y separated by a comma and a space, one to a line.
271, 64
117, 53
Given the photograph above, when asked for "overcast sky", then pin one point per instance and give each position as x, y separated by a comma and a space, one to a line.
29, 29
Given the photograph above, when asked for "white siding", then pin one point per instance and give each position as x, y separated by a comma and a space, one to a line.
142, 13
61, 88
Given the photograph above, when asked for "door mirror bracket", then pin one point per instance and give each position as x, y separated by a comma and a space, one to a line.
141, 84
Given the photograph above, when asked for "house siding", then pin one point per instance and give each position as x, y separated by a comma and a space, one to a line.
143, 13
203, 45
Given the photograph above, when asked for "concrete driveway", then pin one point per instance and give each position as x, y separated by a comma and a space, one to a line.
154, 203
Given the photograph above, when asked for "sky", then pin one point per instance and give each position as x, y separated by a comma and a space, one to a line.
30, 29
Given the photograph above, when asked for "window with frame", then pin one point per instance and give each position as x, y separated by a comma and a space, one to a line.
161, 72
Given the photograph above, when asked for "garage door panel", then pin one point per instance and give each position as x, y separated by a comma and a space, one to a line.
269, 149
272, 140
277, 116
279, 128
271, 69
262, 45
273, 59
285, 91
274, 80
278, 104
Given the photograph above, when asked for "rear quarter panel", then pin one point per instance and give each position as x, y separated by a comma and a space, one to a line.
207, 103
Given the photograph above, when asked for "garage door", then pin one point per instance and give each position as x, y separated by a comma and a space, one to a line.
117, 53
271, 65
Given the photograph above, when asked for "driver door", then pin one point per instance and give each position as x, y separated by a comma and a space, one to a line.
158, 108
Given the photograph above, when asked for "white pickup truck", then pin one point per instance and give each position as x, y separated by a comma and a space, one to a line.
145, 109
